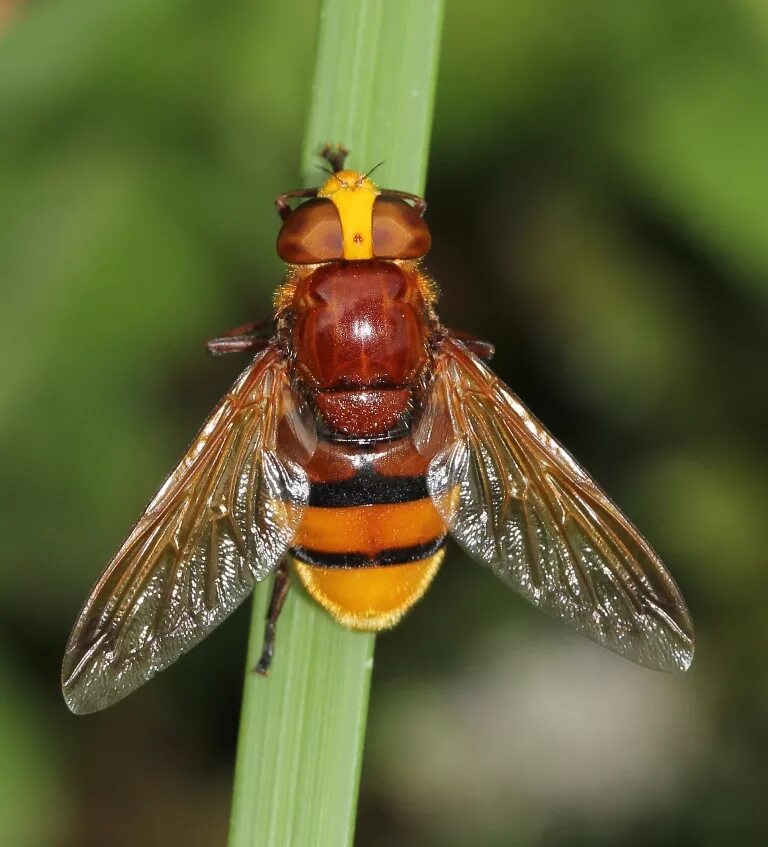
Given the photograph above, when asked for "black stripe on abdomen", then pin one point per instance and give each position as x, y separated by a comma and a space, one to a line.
387, 556
367, 489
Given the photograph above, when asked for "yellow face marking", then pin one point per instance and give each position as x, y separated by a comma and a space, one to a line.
353, 195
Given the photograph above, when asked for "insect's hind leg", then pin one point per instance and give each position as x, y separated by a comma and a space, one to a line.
279, 592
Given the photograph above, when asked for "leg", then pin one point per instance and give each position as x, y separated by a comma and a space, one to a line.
249, 338
279, 591
419, 203
482, 349
283, 202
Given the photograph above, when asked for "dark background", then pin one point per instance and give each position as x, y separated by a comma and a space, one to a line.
598, 193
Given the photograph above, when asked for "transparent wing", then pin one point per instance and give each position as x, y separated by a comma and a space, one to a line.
221, 521
515, 500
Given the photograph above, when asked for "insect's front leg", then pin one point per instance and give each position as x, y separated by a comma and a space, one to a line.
248, 338
279, 592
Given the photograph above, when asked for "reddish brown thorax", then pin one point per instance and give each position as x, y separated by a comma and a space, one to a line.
359, 325
359, 339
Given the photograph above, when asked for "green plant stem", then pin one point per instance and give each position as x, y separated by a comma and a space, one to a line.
302, 729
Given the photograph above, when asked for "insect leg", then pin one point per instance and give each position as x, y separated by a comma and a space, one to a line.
482, 349
419, 203
283, 202
249, 338
279, 592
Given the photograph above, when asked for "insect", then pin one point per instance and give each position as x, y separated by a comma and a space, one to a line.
361, 434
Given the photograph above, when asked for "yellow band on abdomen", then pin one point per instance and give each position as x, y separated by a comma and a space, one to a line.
370, 530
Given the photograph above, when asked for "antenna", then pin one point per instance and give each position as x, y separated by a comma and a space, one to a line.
335, 155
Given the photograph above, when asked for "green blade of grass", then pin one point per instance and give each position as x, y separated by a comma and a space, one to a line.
301, 732
374, 87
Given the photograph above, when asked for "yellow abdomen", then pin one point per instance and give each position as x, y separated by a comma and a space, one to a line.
372, 598
370, 541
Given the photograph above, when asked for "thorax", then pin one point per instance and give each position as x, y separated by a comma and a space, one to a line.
359, 324
358, 333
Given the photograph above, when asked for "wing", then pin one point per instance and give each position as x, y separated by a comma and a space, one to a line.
221, 521
515, 500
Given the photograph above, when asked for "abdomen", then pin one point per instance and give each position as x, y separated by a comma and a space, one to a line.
371, 541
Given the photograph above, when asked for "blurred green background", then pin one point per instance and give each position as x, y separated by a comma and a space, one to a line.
598, 194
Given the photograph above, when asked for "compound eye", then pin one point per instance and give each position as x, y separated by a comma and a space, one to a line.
311, 234
399, 232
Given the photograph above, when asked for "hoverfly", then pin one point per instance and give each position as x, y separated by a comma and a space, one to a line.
361, 434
